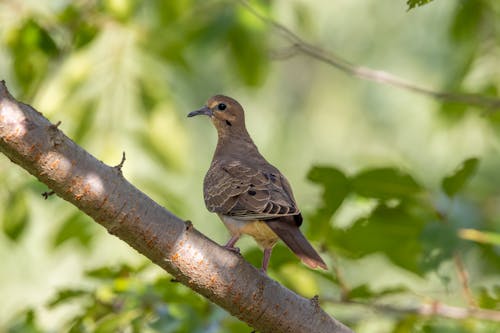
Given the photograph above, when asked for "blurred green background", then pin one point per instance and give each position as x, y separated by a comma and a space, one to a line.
399, 191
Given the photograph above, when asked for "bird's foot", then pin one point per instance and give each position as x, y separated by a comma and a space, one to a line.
233, 249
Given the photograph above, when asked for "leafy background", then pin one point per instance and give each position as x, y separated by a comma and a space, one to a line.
400, 192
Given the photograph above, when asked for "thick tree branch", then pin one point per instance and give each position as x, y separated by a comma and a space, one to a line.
100, 191
298, 45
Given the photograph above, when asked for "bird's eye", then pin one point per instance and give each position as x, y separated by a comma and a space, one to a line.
221, 106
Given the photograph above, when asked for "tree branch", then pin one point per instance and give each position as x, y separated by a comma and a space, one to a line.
298, 45
436, 309
32, 142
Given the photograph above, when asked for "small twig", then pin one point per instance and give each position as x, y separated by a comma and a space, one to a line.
120, 166
56, 125
464, 279
457, 260
47, 194
299, 45
428, 309
344, 288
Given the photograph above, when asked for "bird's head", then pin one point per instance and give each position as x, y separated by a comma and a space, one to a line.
226, 113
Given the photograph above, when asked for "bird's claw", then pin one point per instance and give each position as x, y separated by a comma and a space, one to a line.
233, 249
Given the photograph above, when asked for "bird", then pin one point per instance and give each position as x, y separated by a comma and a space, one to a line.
250, 195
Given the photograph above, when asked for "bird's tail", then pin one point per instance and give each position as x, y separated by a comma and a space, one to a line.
289, 232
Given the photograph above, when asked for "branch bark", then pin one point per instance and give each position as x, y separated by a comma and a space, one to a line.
101, 191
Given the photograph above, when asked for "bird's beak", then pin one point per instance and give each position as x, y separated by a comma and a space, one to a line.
204, 110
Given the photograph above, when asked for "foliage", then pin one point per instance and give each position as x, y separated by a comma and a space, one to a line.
391, 226
416, 3
126, 299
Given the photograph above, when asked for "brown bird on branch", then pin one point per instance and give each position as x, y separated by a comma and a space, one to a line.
250, 195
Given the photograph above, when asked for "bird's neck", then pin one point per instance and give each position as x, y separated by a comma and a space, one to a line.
236, 143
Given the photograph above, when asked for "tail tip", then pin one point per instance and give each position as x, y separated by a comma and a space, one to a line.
314, 263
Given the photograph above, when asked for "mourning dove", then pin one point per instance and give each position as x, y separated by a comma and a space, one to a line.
249, 194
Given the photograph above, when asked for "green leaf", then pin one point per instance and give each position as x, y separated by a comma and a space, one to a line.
16, 217
78, 228
25, 323
121, 270
364, 291
489, 299
385, 183
116, 322
416, 3
32, 47
336, 186
406, 324
439, 242
165, 322
249, 52
393, 231
453, 183
66, 296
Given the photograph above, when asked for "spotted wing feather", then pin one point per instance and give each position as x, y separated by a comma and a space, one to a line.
247, 193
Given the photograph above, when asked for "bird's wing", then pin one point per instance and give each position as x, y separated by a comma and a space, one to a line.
248, 193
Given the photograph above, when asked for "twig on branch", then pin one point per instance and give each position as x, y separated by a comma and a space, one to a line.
427, 309
464, 279
47, 194
463, 276
344, 288
223, 277
120, 165
298, 45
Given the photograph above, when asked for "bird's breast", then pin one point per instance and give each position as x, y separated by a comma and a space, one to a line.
259, 230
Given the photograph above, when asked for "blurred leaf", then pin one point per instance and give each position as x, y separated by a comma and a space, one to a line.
406, 324
385, 183
466, 25
77, 19
336, 187
467, 21
165, 322
386, 229
117, 271
84, 124
489, 300
439, 241
78, 227
364, 291
455, 182
25, 323
416, 3
303, 16
490, 259
116, 322
16, 216
165, 140
66, 295
248, 42
31, 47
232, 325
121, 10
434, 325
